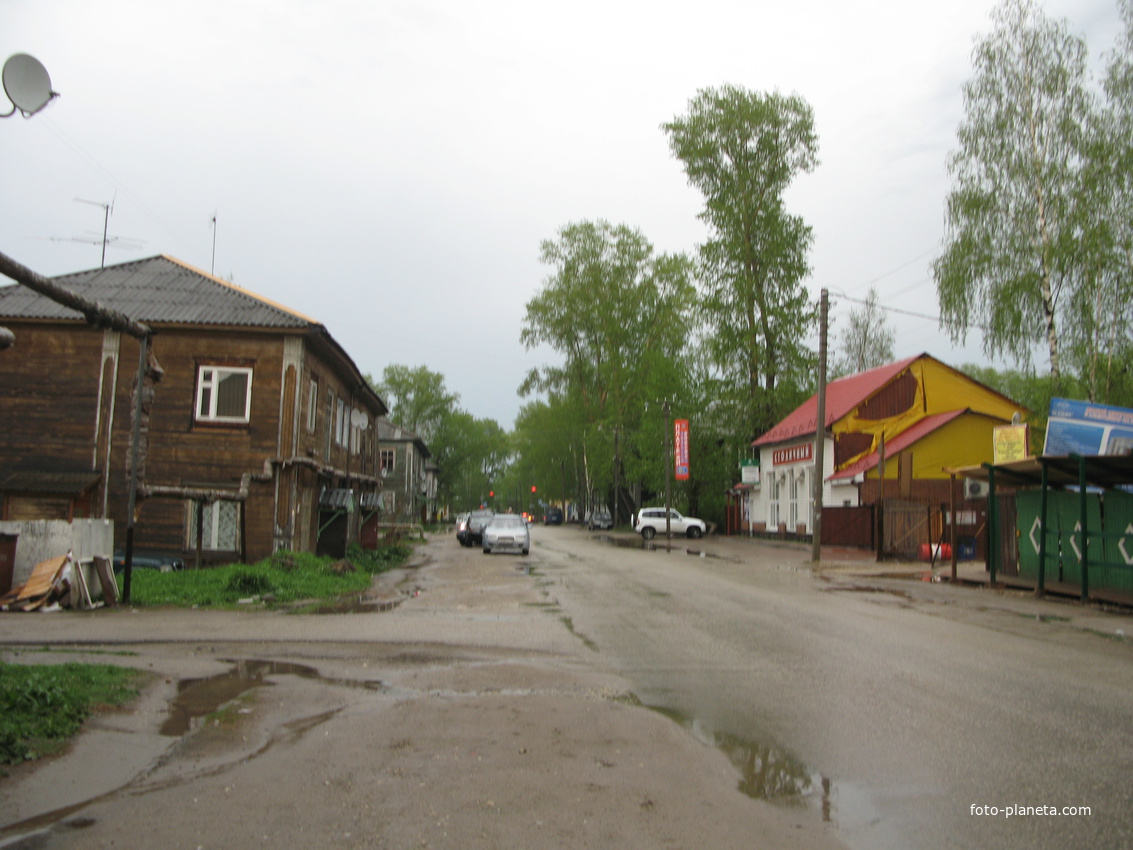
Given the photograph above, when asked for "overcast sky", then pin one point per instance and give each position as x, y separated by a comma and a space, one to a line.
390, 168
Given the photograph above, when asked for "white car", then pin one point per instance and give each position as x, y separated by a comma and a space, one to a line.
507, 533
651, 521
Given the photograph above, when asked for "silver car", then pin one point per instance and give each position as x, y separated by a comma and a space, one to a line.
507, 533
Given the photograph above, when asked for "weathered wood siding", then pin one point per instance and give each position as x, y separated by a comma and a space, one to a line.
49, 398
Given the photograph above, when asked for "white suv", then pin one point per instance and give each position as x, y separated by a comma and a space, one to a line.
651, 522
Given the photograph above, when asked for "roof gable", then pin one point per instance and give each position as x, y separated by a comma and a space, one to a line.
842, 396
157, 290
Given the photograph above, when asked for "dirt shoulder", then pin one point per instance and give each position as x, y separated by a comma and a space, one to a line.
469, 715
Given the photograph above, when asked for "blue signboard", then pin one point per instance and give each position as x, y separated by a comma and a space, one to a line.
1084, 428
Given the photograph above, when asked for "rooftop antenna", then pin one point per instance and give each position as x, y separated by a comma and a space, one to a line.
27, 84
212, 270
107, 209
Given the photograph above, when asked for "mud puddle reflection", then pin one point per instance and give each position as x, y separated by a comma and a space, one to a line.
657, 544
774, 775
198, 697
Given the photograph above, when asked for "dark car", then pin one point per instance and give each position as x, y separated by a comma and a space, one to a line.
553, 516
146, 560
462, 529
600, 519
476, 522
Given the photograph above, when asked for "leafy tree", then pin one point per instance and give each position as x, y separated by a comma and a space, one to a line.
867, 341
417, 398
1012, 252
472, 455
618, 313
1099, 333
742, 150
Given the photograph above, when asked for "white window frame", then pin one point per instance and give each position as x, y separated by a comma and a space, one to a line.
211, 526
209, 379
312, 405
392, 454
341, 423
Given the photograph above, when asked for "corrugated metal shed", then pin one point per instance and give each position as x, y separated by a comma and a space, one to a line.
157, 290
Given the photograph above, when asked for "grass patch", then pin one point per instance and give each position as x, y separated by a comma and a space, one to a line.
41, 706
285, 578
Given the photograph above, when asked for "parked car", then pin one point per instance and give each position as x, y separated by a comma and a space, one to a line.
164, 562
651, 521
600, 519
462, 529
553, 516
476, 522
507, 533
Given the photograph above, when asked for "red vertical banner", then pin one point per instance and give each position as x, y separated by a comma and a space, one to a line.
680, 449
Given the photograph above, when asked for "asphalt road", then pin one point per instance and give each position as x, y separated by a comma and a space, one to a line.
488, 702
904, 713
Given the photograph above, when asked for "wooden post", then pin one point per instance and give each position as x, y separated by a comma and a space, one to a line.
881, 498
820, 434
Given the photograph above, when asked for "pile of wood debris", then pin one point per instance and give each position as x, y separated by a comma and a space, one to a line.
59, 583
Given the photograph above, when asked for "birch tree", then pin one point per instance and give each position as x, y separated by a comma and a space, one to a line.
1012, 252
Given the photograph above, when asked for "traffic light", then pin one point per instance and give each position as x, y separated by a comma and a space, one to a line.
532, 488
491, 494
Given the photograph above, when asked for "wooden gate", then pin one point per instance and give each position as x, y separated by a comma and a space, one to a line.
848, 527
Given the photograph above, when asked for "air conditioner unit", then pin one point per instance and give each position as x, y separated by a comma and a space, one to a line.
975, 489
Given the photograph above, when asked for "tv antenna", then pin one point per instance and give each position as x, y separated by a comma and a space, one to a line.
107, 209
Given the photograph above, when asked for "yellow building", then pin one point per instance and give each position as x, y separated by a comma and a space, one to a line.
923, 414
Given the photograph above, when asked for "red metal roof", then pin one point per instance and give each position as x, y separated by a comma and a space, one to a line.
899, 443
842, 396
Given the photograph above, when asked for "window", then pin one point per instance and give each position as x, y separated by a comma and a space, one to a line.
773, 502
221, 527
387, 457
224, 394
329, 424
341, 423
312, 405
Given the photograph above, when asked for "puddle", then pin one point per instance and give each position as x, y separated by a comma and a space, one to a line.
198, 697
767, 772
866, 588
657, 544
773, 774
356, 606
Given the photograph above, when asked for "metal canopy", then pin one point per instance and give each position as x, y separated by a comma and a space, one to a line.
1105, 471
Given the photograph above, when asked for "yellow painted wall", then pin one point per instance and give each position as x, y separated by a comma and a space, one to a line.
966, 441
940, 389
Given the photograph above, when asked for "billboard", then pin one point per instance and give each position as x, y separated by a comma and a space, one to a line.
1085, 428
680, 449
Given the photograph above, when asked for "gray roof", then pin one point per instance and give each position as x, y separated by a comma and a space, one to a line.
157, 290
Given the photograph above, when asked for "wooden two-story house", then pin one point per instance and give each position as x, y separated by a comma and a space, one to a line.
409, 492
261, 435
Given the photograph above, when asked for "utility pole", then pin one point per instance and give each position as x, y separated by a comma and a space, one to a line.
617, 480
820, 433
668, 471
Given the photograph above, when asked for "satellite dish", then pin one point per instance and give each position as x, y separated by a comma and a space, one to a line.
359, 419
27, 84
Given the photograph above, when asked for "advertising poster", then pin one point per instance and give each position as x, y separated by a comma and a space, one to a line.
680, 446
1010, 443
